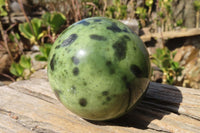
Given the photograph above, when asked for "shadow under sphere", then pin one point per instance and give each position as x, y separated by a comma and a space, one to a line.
160, 100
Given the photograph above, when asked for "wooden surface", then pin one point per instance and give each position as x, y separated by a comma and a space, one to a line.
171, 34
30, 106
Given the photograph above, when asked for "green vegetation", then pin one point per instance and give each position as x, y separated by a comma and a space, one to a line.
179, 23
3, 12
165, 14
118, 10
42, 31
44, 50
163, 58
23, 68
149, 4
142, 13
32, 31
197, 9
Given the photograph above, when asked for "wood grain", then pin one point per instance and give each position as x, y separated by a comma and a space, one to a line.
171, 34
30, 106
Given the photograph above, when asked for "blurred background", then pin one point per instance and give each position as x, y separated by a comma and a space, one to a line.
169, 29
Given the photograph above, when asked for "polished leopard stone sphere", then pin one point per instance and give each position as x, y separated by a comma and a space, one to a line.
99, 68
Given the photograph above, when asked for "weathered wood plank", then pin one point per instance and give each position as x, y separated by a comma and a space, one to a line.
31, 106
171, 34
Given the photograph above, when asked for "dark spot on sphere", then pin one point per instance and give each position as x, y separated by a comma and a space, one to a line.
57, 93
68, 50
128, 85
65, 71
125, 30
114, 28
120, 48
108, 63
112, 70
124, 78
136, 70
133, 32
126, 82
97, 20
98, 37
83, 22
57, 47
108, 98
84, 83
52, 62
127, 37
68, 28
75, 71
73, 89
103, 103
68, 41
110, 67
105, 93
83, 102
75, 60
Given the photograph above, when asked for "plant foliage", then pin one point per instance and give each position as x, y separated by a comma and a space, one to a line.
22, 69
3, 12
163, 58
44, 50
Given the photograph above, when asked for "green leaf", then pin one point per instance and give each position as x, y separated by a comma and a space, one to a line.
25, 62
40, 58
2, 2
46, 18
54, 20
12, 37
170, 80
197, 5
16, 69
2, 11
149, 3
142, 12
163, 58
174, 53
45, 50
37, 26
26, 31
175, 65
166, 63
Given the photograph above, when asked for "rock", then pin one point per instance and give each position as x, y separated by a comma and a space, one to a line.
132, 24
1, 83
36, 65
35, 48
16, 9
5, 62
184, 9
157, 74
189, 57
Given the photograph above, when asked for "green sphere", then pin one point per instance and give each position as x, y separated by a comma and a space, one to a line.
99, 68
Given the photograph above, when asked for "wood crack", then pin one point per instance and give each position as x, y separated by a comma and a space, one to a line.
30, 106
191, 116
35, 94
159, 130
27, 122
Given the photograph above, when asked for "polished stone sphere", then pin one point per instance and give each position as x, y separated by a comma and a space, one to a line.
99, 68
